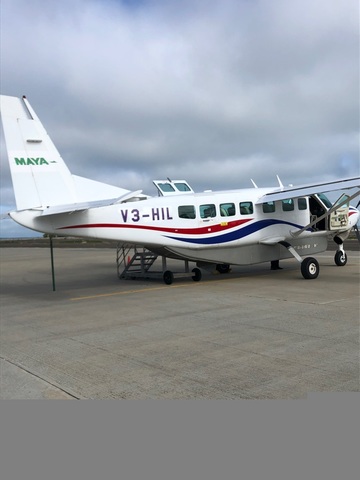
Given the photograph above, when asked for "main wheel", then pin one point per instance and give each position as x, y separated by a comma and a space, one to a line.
340, 258
168, 277
310, 268
197, 274
223, 268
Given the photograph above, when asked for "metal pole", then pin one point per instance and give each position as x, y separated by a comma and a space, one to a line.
52, 263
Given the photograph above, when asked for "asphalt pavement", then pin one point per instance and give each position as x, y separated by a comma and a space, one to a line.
250, 334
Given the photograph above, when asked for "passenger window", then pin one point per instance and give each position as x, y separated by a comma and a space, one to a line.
246, 208
207, 211
227, 209
288, 205
186, 211
302, 204
269, 207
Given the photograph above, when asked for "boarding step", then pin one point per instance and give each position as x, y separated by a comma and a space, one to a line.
134, 261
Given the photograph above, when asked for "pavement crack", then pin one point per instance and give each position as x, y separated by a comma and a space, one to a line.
41, 378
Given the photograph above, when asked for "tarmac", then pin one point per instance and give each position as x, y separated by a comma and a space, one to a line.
250, 334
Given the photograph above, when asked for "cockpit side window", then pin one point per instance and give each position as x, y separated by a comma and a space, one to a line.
302, 204
325, 200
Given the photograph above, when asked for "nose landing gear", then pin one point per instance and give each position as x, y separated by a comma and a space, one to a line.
340, 256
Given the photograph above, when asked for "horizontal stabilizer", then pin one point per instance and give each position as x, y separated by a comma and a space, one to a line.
77, 207
88, 190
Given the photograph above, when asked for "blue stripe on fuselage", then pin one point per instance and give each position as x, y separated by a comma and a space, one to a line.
236, 234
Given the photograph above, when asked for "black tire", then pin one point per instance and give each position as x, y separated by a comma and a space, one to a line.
168, 277
340, 258
310, 268
197, 274
223, 268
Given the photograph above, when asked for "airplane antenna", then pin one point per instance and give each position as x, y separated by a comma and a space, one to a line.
280, 182
252, 181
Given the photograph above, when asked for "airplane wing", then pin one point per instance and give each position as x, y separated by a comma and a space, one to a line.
81, 206
309, 189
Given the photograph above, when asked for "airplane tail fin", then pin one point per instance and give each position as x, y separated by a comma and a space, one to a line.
40, 176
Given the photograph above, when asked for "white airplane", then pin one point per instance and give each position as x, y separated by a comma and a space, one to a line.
213, 229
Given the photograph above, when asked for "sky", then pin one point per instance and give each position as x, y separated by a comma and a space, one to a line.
212, 91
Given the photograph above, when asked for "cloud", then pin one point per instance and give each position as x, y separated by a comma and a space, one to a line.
215, 91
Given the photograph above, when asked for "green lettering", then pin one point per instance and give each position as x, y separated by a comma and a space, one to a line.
20, 161
31, 161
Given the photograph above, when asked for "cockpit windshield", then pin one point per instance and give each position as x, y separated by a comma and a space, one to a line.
325, 200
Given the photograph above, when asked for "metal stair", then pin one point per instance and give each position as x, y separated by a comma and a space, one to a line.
134, 261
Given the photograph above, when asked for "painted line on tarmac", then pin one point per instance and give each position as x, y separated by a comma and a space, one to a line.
152, 289
129, 292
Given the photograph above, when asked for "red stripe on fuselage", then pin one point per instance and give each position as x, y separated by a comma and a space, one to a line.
189, 231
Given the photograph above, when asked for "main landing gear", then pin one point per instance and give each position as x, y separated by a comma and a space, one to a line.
309, 266
223, 268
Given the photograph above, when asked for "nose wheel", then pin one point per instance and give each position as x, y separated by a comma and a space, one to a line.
340, 258
340, 255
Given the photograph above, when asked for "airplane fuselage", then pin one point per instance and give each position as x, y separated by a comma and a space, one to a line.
217, 227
